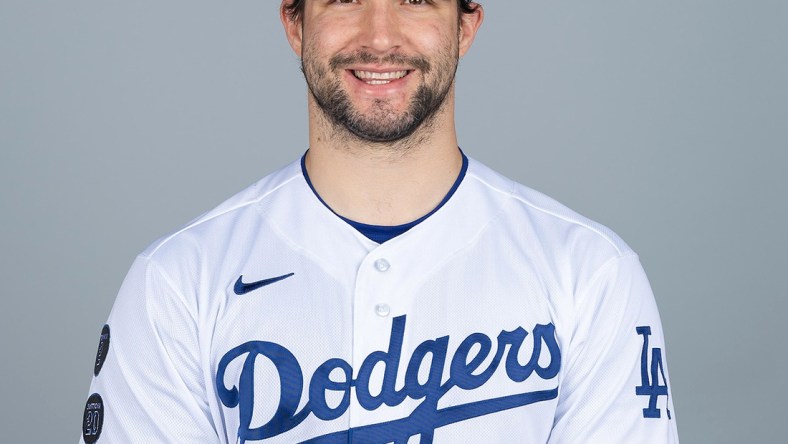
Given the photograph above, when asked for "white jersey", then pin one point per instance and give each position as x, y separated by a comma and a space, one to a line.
503, 317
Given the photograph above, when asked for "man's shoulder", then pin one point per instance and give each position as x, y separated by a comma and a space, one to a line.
538, 216
229, 216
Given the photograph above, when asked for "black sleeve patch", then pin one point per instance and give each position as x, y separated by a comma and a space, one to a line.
93, 419
103, 349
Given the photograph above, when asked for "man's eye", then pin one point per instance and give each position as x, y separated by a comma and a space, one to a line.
415, 2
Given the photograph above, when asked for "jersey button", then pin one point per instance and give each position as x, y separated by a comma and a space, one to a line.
382, 310
382, 265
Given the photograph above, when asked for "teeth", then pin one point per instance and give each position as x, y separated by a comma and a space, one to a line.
379, 78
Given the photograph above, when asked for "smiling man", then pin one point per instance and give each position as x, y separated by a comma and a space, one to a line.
385, 287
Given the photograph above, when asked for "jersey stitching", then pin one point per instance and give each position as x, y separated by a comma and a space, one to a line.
472, 240
229, 210
305, 252
598, 273
154, 327
582, 295
551, 213
170, 283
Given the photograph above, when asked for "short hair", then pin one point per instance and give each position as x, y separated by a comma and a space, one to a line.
295, 8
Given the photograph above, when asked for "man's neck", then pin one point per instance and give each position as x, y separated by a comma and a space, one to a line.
380, 184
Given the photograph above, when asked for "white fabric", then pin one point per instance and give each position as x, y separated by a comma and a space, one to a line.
497, 256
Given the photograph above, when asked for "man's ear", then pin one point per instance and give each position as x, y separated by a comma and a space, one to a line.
469, 25
293, 28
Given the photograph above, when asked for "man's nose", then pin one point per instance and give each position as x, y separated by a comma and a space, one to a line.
381, 29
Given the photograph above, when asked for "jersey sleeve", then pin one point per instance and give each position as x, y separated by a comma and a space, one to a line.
616, 387
149, 387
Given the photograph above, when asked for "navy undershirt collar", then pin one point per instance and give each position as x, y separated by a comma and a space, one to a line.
382, 233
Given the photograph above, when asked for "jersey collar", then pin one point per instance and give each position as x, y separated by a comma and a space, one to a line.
382, 233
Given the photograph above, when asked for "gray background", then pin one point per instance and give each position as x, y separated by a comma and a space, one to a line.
665, 120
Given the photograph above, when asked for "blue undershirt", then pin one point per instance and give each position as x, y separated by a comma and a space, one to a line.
382, 233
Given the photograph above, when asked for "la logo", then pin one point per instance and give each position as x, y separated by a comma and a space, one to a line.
650, 386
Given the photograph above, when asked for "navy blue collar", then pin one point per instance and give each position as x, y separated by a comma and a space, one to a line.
382, 233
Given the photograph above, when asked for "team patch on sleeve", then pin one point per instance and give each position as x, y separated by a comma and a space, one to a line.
103, 349
650, 376
93, 419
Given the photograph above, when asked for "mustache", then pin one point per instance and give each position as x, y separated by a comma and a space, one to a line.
342, 60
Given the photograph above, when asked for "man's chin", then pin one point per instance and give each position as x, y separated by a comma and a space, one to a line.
378, 124
376, 134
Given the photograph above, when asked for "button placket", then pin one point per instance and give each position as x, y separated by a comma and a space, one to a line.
382, 310
382, 265
372, 313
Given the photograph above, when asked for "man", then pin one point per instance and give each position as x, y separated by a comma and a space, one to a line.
385, 288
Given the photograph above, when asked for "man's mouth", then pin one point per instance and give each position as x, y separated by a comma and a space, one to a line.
379, 78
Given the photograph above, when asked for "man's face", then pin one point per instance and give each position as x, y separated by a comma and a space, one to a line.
380, 68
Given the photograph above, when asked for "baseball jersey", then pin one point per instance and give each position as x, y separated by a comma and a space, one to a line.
503, 317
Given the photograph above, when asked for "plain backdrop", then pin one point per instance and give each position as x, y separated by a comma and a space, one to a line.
665, 120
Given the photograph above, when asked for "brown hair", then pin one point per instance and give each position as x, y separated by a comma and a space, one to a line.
296, 7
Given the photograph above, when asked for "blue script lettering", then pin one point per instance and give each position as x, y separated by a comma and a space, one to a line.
463, 373
650, 386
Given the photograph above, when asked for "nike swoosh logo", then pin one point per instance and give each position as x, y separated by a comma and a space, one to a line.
242, 288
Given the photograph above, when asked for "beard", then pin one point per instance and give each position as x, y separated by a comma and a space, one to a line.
382, 123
